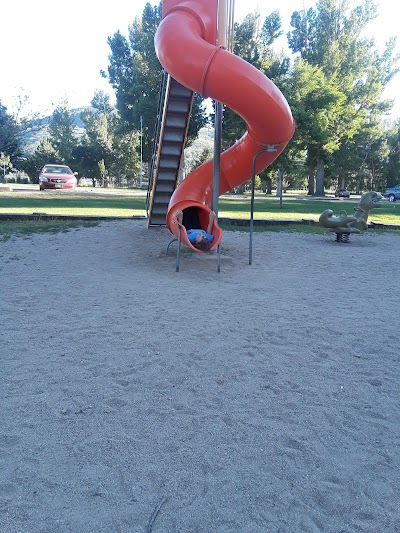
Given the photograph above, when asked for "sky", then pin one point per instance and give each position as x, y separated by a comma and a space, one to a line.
52, 52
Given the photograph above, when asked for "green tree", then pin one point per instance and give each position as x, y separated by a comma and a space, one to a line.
103, 173
10, 136
247, 46
350, 78
126, 162
135, 73
5, 164
317, 104
105, 141
96, 145
254, 42
86, 156
360, 162
44, 153
392, 169
62, 134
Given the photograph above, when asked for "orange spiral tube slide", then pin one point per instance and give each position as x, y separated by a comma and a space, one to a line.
183, 49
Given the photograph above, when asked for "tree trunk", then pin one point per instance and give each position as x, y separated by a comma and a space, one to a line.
311, 178
279, 183
269, 185
358, 184
320, 188
279, 187
240, 189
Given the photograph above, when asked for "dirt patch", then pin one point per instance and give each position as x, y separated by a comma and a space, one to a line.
260, 398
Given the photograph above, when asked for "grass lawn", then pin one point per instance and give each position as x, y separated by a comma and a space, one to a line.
8, 228
82, 202
130, 202
299, 208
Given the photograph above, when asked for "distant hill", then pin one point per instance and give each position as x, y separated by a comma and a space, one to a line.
39, 130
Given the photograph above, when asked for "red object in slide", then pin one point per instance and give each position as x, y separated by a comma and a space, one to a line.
183, 49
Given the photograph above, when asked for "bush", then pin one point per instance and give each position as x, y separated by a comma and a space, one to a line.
17, 176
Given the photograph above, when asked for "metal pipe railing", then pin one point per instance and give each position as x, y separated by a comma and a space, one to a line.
156, 138
268, 148
225, 24
178, 253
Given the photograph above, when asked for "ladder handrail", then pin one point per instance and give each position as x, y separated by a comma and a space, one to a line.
156, 137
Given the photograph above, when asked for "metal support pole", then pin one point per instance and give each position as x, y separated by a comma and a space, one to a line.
141, 152
217, 156
224, 40
217, 167
178, 252
269, 148
253, 182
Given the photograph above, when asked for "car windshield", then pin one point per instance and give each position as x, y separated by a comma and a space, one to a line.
57, 170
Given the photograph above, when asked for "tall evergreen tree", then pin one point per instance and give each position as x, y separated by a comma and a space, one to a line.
10, 136
136, 74
392, 168
350, 70
62, 133
44, 153
105, 150
254, 42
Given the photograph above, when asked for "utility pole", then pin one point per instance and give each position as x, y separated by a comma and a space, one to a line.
5, 163
141, 152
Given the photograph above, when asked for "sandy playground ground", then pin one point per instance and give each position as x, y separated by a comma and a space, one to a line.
263, 398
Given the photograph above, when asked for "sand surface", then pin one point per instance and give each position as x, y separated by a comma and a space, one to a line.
135, 399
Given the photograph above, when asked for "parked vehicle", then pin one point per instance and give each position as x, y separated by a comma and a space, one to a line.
392, 193
86, 182
57, 177
342, 193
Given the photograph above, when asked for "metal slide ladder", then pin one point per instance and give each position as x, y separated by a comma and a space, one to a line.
175, 106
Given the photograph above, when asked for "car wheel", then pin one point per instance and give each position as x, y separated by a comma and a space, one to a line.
391, 198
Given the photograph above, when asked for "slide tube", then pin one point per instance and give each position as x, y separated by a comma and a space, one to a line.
216, 73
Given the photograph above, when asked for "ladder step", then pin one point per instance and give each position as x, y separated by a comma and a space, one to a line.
179, 106
167, 160
162, 198
157, 221
177, 89
165, 174
160, 210
175, 121
165, 187
177, 109
171, 149
173, 135
165, 170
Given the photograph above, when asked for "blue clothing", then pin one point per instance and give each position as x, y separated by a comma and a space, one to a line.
192, 234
